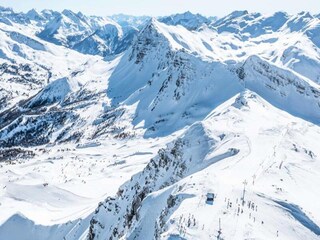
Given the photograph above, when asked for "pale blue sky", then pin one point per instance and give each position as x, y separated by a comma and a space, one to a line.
166, 7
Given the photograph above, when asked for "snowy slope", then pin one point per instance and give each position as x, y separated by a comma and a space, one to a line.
170, 64
167, 75
161, 184
89, 35
217, 155
118, 127
250, 24
283, 88
28, 64
55, 91
93, 35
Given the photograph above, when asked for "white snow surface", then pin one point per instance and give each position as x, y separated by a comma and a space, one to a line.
129, 146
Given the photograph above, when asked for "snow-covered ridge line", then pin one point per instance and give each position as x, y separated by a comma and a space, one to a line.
146, 206
294, 93
172, 164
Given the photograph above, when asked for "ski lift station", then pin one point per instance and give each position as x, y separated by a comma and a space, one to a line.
210, 198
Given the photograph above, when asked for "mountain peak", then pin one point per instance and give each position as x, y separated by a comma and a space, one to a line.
236, 14
33, 14
32, 11
6, 10
299, 22
68, 12
305, 14
153, 20
151, 24
187, 19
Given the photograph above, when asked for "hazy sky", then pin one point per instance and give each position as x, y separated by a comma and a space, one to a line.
165, 7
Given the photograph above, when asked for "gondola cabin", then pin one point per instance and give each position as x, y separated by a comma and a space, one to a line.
210, 198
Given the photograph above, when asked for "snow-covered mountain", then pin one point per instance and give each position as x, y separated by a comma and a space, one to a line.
89, 35
124, 127
168, 198
188, 20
